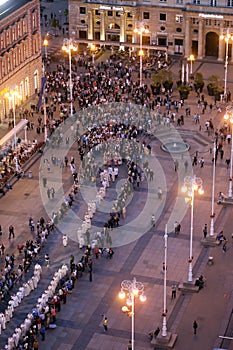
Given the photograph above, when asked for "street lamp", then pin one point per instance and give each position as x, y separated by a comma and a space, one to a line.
164, 327
213, 191
191, 184
191, 59
228, 116
131, 289
140, 30
92, 49
69, 46
45, 44
13, 96
227, 37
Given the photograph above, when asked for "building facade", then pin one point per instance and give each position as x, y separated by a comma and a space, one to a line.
20, 51
183, 27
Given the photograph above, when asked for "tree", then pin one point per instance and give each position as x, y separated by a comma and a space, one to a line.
55, 24
198, 82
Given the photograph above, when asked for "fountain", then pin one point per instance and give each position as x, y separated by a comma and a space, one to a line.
175, 147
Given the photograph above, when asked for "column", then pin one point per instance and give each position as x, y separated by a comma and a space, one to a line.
90, 25
122, 28
134, 36
187, 38
231, 51
200, 39
102, 26
221, 45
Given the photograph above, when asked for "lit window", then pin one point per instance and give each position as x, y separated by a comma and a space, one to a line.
179, 18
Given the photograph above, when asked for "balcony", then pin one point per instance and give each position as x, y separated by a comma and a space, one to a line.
113, 2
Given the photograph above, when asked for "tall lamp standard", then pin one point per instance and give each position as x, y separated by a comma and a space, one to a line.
213, 192
164, 327
227, 37
191, 59
140, 30
45, 44
92, 49
68, 47
14, 96
131, 289
191, 184
228, 116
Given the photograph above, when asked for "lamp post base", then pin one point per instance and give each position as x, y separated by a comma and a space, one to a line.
209, 241
188, 287
161, 342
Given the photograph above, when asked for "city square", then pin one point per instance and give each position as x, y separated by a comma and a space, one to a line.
151, 258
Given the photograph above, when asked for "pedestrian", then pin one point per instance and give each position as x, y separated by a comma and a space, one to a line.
11, 232
105, 324
64, 240
124, 212
153, 220
129, 347
42, 332
52, 191
205, 231
160, 192
224, 246
186, 164
194, 161
173, 288
44, 181
48, 193
195, 325
46, 259
0, 230
227, 161
202, 162
2, 249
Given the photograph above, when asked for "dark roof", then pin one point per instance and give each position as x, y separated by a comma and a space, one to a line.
11, 6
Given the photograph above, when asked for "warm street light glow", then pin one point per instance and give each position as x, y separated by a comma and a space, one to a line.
191, 59
226, 37
229, 117
68, 46
140, 30
192, 184
92, 49
132, 289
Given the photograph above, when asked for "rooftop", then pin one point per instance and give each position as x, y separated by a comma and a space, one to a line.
7, 7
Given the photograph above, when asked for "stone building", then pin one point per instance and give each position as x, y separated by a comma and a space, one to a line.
20, 50
184, 27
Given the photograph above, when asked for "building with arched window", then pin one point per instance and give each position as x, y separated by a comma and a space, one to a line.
20, 49
183, 27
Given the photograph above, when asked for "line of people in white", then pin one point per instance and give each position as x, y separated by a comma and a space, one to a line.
21, 331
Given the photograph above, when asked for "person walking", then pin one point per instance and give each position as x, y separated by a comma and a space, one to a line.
173, 287
205, 231
105, 324
11, 232
195, 325
129, 347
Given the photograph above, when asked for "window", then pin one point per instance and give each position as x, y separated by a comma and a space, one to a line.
162, 28
129, 15
24, 27
208, 22
194, 20
83, 21
117, 14
82, 34
195, 31
82, 10
163, 17
196, 2
179, 30
163, 0
97, 13
179, 18
213, 2
180, 2
110, 13
13, 34
230, 3
33, 20
146, 15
